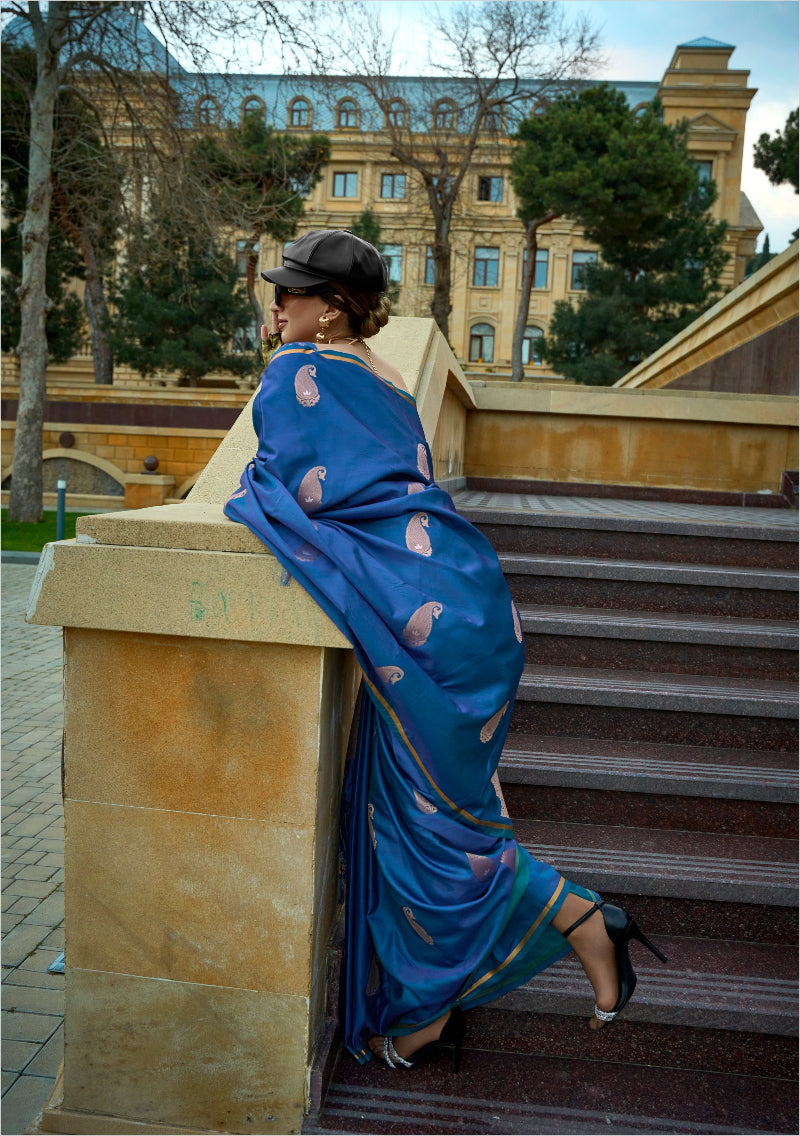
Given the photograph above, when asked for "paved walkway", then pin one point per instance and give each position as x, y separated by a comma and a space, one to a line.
33, 856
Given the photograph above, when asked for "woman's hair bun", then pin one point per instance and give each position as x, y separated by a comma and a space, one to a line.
377, 317
367, 312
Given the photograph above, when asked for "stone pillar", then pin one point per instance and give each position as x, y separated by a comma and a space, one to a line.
207, 706
206, 711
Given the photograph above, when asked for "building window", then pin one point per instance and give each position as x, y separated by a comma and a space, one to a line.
430, 265
243, 254
490, 189
393, 255
393, 185
245, 339
481, 343
444, 115
347, 114
207, 112
487, 267
579, 262
532, 346
300, 112
540, 275
396, 114
705, 170
252, 106
345, 185
493, 120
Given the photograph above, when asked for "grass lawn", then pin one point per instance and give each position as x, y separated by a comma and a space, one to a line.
17, 536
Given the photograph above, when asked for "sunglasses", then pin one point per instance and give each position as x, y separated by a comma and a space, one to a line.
315, 290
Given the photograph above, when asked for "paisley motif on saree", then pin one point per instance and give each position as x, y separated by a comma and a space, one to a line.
442, 906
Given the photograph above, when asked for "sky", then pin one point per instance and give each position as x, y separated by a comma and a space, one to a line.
638, 38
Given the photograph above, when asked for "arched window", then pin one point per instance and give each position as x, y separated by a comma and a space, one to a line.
493, 119
397, 114
253, 105
481, 343
444, 114
531, 346
347, 114
300, 112
207, 111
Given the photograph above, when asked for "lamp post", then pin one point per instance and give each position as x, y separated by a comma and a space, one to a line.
61, 485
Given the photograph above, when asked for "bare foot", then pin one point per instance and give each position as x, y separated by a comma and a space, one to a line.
595, 952
409, 1043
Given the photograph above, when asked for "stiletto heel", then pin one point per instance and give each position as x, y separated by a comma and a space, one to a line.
638, 934
453, 1033
620, 928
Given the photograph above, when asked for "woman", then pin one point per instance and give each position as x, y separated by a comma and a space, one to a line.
444, 910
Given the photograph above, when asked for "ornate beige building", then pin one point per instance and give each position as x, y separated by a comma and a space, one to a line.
487, 236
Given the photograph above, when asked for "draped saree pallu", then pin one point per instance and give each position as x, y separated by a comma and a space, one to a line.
443, 908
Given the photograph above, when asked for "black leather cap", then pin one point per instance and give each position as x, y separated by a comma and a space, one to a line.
330, 254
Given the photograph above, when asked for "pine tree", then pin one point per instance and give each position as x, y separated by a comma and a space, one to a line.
761, 258
368, 227
778, 156
252, 179
647, 286
179, 305
632, 185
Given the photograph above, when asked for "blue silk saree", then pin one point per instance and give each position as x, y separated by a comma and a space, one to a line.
443, 907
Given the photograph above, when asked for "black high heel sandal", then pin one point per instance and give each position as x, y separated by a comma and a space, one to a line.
620, 928
453, 1033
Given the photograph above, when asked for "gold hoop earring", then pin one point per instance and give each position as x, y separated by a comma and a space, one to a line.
323, 327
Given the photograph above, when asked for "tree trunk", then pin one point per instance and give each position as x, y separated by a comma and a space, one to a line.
531, 243
441, 304
97, 314
25, 498
252, 264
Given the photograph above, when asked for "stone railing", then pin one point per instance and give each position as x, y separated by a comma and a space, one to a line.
616, 436
207, 706
761, 303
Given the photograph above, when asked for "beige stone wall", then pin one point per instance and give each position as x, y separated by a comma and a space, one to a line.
448, 443
683, 440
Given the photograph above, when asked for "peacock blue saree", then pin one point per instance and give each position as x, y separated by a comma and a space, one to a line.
443, 907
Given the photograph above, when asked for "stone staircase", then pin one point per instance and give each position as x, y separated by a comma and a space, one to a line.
652, 755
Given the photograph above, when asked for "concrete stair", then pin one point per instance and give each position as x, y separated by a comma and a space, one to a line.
652, 756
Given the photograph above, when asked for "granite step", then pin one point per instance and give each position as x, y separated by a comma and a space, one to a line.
680, 864
763, 544
711, 918
651, 1044
653, 707
599, 764
660, 641
500, 1089
652, 810
705, 589
710, 984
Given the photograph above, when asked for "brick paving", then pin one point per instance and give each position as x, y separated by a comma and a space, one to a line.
32, 856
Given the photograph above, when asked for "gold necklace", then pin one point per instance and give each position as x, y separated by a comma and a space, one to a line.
358, 339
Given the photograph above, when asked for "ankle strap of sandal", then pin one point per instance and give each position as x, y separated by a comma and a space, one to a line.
583, 918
